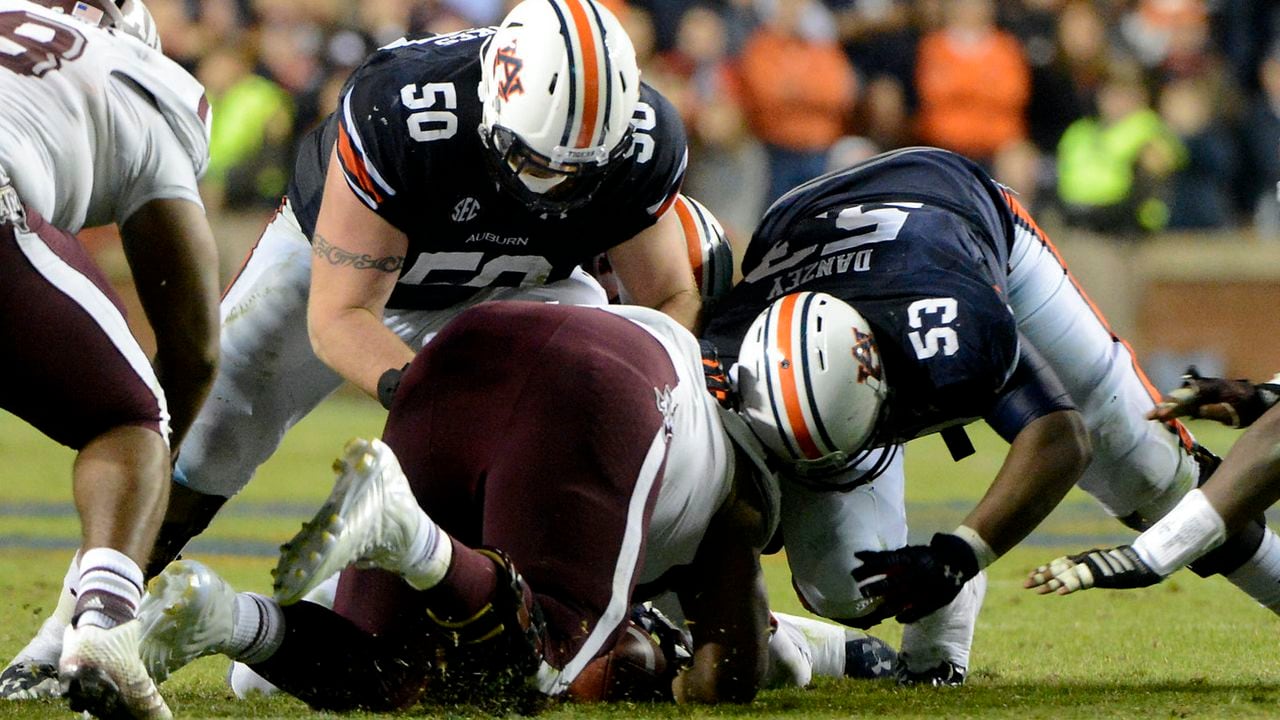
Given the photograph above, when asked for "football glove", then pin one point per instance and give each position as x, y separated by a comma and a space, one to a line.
1236, 403
916, 580
676, 643
1117, 568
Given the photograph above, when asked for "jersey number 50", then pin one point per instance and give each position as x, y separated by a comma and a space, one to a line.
427, 124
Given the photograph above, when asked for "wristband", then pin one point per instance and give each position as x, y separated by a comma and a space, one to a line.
1191, 529
388, 383
981, 549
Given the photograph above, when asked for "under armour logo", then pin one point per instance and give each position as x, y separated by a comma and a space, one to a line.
466, 209
954, 576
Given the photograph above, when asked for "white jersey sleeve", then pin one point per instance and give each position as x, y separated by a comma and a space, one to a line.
700, 460
95, 123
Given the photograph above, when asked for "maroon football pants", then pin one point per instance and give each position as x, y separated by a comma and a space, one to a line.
527, 427
73, 369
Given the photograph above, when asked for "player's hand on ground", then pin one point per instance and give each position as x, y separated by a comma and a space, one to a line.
914, 581
1235, 403
1116, 568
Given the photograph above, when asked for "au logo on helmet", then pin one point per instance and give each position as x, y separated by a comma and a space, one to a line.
509, 82
867, 355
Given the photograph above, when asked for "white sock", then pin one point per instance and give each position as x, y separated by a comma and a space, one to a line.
1259, 577
109, 588
825, 642
257, 628
790, 663
946, 634
427, 558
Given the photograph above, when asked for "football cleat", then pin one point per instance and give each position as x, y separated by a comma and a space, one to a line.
370, 518
29, 680
101, 673
867, 657
187, 613
33, 672
944, 674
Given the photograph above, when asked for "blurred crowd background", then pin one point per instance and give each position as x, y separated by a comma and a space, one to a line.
1126, 116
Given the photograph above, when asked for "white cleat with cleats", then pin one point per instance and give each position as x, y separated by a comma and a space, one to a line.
187, 613
101, 672
370, 518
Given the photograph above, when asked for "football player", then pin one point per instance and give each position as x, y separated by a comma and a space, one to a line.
99, 127
486, 164
969, 312
1241, 489
799, 648
607, 475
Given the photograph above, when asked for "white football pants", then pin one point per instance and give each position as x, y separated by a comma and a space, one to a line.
1138, 465
269, 378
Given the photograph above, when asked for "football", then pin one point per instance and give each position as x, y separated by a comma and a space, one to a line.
635, 669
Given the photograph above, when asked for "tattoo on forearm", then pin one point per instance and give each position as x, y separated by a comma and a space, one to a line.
335, 255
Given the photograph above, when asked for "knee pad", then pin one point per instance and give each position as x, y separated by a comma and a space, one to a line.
1235, 551
490, 658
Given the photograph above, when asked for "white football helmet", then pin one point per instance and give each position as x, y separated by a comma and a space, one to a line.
710, 253
130, 17
559, 84
811, 385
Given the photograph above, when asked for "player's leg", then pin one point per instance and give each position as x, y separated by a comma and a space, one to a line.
872, 517
267, 381
1140, 468
320, 656
565, 488
62, 306
801, 649
568, 495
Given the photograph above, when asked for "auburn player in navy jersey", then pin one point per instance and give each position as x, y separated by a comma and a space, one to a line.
967, 312
481, 165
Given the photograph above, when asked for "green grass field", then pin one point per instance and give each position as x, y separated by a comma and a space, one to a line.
1186, 648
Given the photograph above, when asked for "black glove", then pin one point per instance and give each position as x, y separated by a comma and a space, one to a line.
1118, 568
916, 580
675, 641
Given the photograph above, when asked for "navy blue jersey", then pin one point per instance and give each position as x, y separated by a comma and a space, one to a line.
407, 138
917, 241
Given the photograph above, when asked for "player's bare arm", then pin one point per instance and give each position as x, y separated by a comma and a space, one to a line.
1245, 485
1044, 461
356, 260
727, 606
654, 267
174, 261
